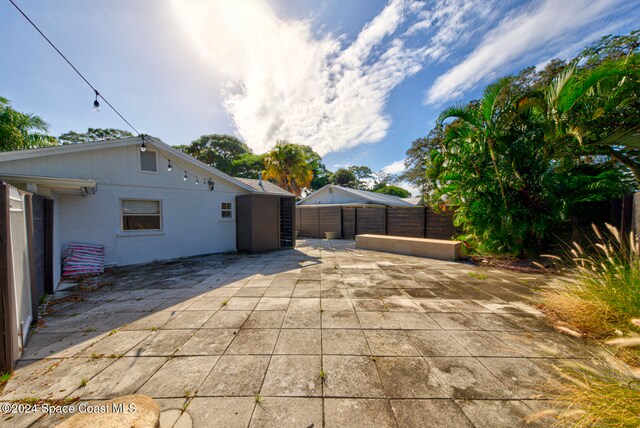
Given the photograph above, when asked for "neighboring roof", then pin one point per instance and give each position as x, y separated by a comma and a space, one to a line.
264, 186
414, 201
121, 142
363, 195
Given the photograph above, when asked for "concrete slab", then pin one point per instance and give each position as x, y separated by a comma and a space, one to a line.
299, 341
287, 412
179, 377
236, 375
293, 376
351, 376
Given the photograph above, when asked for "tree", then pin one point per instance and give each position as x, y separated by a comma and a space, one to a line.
362, 174
93, 134
513, 172
286, 164
382, 179
345, 178
417, 159
394, 191
19, 131
217, 150
481, 121
247, 165
321, 174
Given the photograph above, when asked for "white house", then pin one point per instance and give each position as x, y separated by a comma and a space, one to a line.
141, 205
338, 195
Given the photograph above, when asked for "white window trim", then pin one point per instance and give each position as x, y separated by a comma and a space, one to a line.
157, 171
123, 232
233, 212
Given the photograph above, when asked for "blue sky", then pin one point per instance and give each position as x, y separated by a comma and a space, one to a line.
358, 80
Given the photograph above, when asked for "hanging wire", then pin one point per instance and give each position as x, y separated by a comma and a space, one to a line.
96, 104
98, 94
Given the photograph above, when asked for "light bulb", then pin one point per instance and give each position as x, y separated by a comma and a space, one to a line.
169, 166
185, 176
197, 182
143, 147
96, 104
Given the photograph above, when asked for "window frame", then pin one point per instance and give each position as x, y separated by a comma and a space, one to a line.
232, 210
155, 152
141, 231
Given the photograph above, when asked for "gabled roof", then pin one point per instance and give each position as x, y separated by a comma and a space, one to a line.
362, 195
265, 186
122, 142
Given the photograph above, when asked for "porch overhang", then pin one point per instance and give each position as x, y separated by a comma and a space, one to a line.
46, 185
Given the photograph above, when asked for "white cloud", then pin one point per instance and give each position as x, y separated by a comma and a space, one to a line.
280, 81
541, 29
394, 168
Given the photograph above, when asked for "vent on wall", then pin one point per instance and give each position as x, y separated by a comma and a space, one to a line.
148, 161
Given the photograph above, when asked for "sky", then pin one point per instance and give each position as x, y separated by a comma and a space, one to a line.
357, 80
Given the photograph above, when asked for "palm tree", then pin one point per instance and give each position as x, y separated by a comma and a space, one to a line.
286, 164
19, 131
595, 108
482, 121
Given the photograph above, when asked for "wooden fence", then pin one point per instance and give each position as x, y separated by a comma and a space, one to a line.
347, 222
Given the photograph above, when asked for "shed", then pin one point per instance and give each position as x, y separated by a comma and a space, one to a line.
265, 220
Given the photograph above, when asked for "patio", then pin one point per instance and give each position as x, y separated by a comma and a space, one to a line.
324, 335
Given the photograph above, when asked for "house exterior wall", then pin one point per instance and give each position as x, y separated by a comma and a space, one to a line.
191, 223
336, 197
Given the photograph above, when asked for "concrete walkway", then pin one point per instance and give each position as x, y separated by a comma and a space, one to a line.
324, 335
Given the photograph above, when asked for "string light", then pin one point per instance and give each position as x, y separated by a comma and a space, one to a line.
96, 104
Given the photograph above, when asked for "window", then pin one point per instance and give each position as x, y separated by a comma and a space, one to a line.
141, 215
226, 210
148, 161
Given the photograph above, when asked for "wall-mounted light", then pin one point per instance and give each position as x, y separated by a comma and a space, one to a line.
211, 184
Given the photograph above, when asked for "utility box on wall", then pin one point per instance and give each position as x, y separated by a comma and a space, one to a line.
265, 222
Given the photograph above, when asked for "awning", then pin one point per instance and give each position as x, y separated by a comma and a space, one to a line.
45, 185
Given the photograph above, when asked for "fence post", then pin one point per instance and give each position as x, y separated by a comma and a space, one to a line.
424, 222
28, 209
6, 293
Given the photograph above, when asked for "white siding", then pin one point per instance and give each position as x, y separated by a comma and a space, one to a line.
190, 224
190, 213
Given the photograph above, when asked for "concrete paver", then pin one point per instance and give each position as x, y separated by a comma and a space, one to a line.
323, 335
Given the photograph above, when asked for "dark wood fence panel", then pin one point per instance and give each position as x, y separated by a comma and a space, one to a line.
405, 222
309, 222
371, 220
348, 223
330, 220
440, 225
